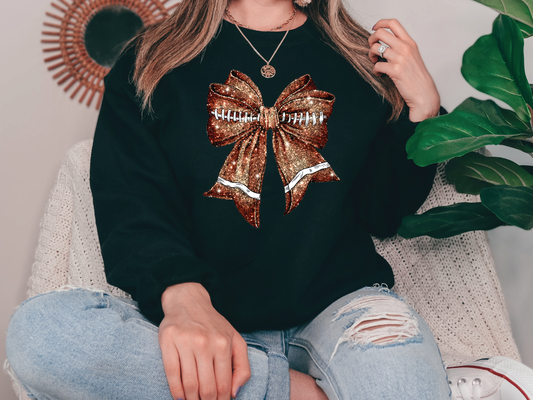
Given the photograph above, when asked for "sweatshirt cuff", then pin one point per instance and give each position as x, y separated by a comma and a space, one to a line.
168, 273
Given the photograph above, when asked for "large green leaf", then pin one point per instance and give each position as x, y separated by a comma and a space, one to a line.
495, 65
528, 168
472, 125
442, 222
473, 172
518, 142
513, 205
520, 10
511, 117
527, 31
511, 44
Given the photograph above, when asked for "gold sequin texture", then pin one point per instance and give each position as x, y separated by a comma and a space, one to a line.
298, 121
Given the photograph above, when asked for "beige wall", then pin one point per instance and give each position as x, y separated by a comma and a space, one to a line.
39, 123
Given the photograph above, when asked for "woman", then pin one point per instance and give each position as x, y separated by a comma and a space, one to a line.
280, 293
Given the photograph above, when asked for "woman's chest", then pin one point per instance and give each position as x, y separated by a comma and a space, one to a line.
208, 115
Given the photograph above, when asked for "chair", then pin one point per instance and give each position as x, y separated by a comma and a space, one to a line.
451, 282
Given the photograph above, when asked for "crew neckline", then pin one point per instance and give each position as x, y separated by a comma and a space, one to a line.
299, 34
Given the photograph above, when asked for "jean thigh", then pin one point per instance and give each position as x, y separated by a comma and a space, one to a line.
85, 345
370, 344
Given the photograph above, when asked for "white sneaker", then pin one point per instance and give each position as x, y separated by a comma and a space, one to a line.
496, 378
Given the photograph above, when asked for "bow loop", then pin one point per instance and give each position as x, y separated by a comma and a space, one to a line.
243, 83
305, 115
232, 114
304, 83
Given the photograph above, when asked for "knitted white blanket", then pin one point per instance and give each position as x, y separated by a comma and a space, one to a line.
451, 282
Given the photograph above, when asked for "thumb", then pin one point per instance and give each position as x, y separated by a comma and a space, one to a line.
241, 365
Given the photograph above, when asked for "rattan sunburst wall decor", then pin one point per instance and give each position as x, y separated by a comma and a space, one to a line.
89, 36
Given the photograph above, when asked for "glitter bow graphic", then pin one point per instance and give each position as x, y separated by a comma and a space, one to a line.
298, 123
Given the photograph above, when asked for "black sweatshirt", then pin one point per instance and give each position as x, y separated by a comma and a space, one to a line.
154, 179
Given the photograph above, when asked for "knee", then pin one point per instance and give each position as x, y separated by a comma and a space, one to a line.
382, 320
386, 320
388, 336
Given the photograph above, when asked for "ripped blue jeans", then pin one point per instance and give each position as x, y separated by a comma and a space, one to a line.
86, 345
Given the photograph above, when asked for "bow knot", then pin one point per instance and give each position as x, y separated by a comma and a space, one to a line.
298, 124
269, 117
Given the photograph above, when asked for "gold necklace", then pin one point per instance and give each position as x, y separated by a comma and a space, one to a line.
230, 16
268, 71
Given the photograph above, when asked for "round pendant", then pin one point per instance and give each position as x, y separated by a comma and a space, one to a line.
268, 71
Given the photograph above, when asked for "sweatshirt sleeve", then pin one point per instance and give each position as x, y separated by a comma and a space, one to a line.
392, 185
142, 219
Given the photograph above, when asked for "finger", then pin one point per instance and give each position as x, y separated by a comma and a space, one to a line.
189, 374
241, 364
386, 37
375, 55
395, 26
206, 376
171, 363
392, 70
223, 369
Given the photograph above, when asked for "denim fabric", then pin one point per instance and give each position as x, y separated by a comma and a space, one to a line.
408, 369
80, 344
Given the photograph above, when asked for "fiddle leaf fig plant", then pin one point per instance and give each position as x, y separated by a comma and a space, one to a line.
473, 172
443, 222
500, 72
472, 125
493, 65
513, 205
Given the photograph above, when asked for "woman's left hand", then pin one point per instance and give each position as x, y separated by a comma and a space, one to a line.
405, 67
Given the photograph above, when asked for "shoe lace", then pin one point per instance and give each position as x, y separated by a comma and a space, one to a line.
466, 394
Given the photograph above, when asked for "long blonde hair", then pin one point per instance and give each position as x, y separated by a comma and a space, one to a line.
181, 37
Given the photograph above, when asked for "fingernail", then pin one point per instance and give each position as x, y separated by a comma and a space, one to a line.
373, 27
238, 390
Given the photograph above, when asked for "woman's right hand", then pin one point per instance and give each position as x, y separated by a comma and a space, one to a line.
204, 357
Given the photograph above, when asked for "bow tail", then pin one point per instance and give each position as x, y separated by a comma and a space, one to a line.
299, 164
241, 176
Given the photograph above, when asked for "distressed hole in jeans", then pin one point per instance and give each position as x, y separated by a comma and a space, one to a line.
384, 320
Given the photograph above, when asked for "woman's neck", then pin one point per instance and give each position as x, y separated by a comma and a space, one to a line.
263, 15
